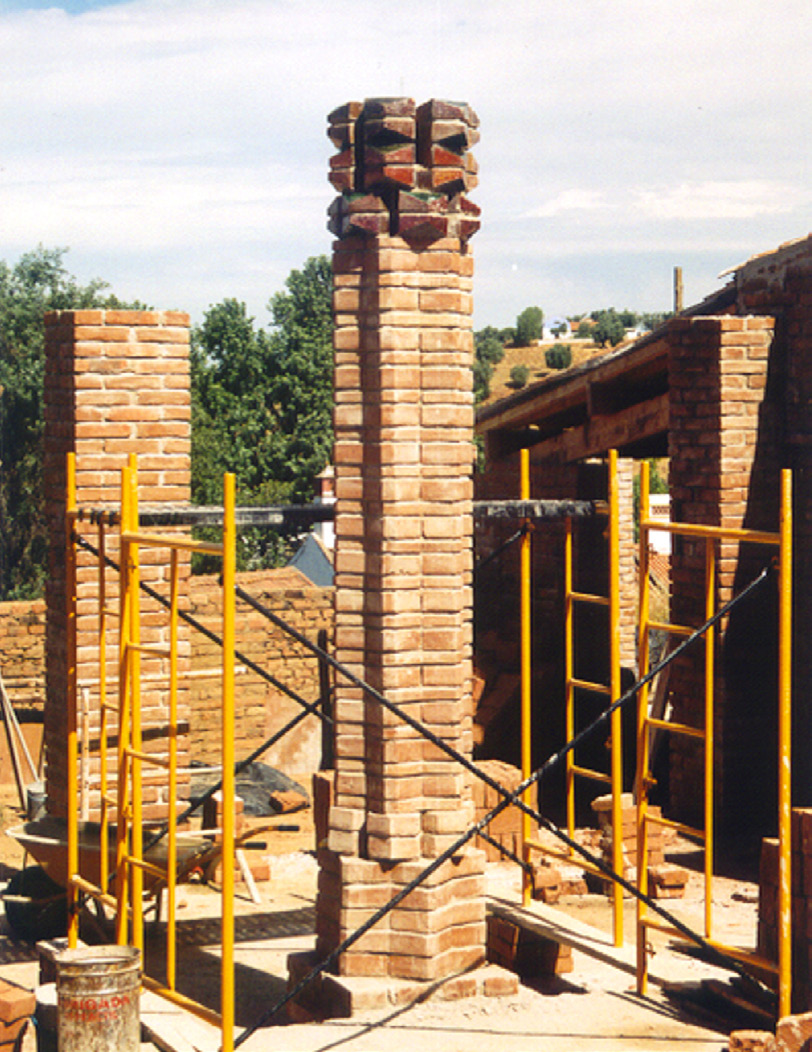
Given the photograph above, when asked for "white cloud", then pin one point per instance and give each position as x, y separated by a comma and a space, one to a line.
569, 201
718, 199
147, 132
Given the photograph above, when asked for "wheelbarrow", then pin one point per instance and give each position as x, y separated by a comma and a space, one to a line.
35, 899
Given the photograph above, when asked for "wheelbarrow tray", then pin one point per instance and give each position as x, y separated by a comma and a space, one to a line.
46, 840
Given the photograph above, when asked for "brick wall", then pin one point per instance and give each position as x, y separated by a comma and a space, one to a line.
22, 666
116, 383
22, 653
261, 709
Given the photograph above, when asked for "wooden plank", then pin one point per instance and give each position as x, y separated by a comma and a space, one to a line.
549, 923
173, 1029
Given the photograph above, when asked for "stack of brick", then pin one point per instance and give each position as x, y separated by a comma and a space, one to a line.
16, 1008
801, 876
602, 806
403, 462
665, 880
116, 383
256, 863
506, 828
525, 952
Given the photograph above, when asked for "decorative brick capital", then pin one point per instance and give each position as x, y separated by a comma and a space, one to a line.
403, 169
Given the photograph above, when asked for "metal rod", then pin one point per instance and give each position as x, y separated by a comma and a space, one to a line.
526, 658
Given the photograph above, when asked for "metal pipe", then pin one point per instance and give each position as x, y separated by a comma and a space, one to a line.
784, 749
710, 639
227, 890
526, 662
643, 745
72, 764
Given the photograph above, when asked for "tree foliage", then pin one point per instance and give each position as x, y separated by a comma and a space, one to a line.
489, 350
529, 326
519, 375
608, 328
649, 322
262, 402
559, 356
36, 283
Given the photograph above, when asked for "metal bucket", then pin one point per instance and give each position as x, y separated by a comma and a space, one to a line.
98, 991
36, 801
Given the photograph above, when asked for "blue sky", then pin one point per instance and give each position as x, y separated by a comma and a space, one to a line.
178, 147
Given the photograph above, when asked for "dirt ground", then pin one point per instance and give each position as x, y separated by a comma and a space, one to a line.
594, 1008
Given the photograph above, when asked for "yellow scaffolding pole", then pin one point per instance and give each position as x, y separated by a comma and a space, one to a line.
227, 896
72, 702
784, 750
525, 572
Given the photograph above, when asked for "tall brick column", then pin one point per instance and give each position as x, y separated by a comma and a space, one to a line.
116, 382
723, 472
403, 457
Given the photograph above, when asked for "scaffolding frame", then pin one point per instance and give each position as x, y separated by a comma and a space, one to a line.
611, 602
646, 723
130, 863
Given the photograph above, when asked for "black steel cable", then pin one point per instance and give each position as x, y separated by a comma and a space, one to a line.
487, 559
309, 708
212, 636
514, 797
450, 750
508, 798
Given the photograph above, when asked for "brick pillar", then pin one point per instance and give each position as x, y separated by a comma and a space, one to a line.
116, 382
718, 372
403, 456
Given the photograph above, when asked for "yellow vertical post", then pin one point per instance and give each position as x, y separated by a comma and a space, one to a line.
172, 844
137, 834
784, 750
614, 694
642, 733
229, 581
122, 758
526, 666
710, 610
72, 765
569, 673
104, 806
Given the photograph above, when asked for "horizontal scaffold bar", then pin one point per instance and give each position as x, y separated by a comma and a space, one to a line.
539, 509
296, 518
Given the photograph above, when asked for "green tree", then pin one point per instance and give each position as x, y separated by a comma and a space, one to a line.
262, 402
519, 375
37, 283
608, 328
654, 321
489, 349
529, 326
585, 329
559, 356
302, 392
